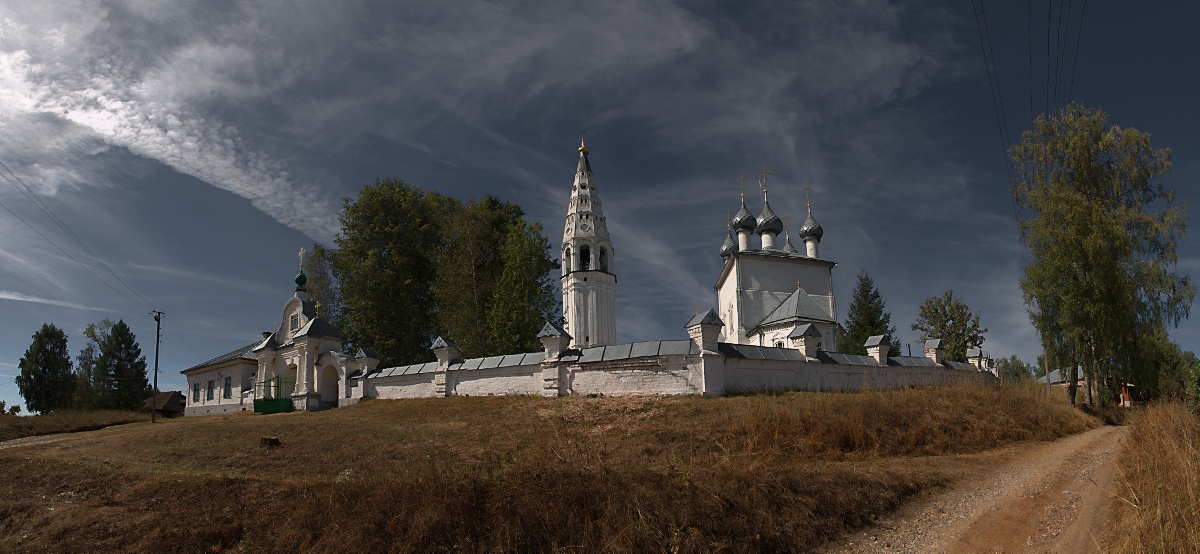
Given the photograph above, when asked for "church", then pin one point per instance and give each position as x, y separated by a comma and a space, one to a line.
774, 327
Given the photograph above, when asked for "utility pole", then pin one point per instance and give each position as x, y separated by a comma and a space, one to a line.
157, 340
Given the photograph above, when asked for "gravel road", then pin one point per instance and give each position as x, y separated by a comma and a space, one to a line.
1047, 498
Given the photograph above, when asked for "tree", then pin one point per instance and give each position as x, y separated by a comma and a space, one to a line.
123, 370
385, 266
1099, 282
1013, 370
524, 294
948, 318
868, 316
323, 287
14, 410
469, 271
45, 381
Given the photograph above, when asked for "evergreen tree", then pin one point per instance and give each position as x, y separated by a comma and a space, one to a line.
868, 316
85, 370
125, 386
524, 294
45, 381
949, 319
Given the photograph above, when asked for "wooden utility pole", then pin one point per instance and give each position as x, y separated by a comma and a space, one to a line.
157, 340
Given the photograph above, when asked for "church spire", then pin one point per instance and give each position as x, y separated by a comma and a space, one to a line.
588, 275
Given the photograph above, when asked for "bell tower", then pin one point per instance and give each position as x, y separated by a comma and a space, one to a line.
589, 282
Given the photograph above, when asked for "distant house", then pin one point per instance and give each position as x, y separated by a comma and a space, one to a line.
167, 404
1125, 397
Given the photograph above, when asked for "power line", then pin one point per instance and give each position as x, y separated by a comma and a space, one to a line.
37, 201
1049, 10
1075, 64
1029, 50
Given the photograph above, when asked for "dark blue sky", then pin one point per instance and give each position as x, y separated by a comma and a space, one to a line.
194, 147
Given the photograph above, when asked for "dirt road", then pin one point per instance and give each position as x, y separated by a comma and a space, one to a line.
1049, 498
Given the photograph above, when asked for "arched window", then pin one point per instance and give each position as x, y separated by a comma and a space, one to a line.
567, 260
603, 265
585, 258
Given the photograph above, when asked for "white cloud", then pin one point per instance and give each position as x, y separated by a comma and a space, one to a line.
20, 297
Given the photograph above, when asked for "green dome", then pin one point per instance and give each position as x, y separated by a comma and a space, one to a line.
301, 279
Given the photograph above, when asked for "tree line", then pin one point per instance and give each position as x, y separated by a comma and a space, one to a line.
109, 373
410, 265
1101, 287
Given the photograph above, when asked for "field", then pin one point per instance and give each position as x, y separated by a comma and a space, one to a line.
758, 473
66, 421
1158, 493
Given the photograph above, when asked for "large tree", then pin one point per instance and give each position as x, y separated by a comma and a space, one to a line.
1102, 236
868, 316
949, 319
323, 287
45, 381
121, 371
386, 266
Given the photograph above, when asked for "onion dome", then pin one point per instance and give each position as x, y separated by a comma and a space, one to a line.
787, 245
301, 278
811, 229
768, 222
743, 219
729, 246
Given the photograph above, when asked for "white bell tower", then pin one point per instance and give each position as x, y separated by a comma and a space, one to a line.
589, 283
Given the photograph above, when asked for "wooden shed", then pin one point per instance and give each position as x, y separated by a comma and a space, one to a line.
167, 404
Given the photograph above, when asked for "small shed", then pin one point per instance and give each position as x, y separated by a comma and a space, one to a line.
167, 404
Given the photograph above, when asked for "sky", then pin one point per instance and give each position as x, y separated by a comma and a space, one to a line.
176, 155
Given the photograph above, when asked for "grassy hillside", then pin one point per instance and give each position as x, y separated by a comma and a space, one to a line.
65, 421
1158, 486
756, 473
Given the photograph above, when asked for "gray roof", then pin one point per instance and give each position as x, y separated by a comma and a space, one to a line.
806, 330
511, 360
317, 327
243, 353
1057, 376
797, 306
707, 318
787, 245
442, 343
550, 329
933, 344
877, 340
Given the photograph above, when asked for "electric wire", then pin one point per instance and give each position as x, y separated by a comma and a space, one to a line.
37, 201
64, 252
1029, 50
1059, 42
1075, 63
1049, 11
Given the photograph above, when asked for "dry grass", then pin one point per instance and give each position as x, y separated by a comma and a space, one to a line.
760, 473
65, 421
1159, 484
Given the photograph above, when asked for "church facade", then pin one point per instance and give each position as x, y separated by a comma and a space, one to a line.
774, 328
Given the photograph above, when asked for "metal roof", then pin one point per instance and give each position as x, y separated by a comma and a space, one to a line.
241, 353
797, 306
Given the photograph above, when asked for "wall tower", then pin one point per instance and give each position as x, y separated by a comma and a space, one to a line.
589, 282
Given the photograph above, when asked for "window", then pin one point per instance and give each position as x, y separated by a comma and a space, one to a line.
585, 258
567, 260
778, 344
295, 321
211, 386
228, 393
603, 260
195, 392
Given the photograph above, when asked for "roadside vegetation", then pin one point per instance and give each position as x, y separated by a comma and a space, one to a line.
65, 421
754, 473
1157, 505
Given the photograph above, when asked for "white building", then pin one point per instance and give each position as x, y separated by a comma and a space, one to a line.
776, 330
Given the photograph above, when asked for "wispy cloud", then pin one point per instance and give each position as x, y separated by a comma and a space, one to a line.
19, 297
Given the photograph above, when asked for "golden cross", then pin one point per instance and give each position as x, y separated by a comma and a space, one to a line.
301, 258
727, 223
742, 182
808, 198
581, 134
764, 173
317, 308
785, 222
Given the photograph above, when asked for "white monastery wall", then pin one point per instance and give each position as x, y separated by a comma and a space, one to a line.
649, 376
522, 379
